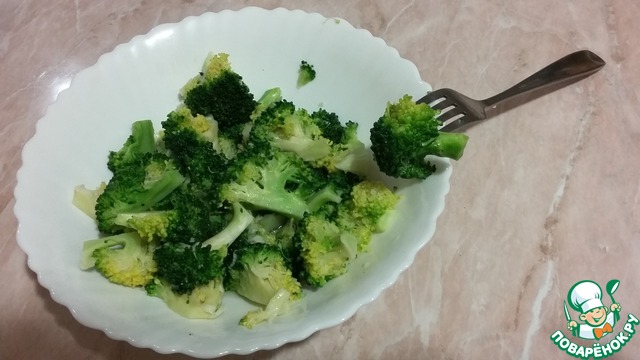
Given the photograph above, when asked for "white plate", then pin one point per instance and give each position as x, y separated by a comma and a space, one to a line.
357, 75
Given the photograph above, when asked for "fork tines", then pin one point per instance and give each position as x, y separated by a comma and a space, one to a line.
443, 101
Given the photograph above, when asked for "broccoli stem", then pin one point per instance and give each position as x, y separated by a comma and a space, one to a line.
144, 134
240, 221
270, 97
159, 190
141, 141
322, 197
87, 261
450, 145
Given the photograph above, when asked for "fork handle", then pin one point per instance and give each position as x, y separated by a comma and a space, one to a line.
562, 72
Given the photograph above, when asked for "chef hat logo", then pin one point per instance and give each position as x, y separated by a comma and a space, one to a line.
585, 296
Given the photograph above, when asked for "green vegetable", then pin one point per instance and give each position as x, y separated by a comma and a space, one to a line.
279, 304
291, 129
124, 259
185, 267
330, 238
204, 302
264, 184
267, 99
258, 271
306, 73
406, 134
221, 93
136, 187
141, 141
260, 198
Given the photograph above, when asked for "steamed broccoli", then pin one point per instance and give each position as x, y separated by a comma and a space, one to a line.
258, 271
221, 93
141, 141
276, 230
85, 199
149, 225
318, 138
368, 210
196, 158
182, 217
190, 212
136, 187
204, 128
372, 203
406, 134
204, 302
325, 249
288, 128
278, 305
337, 186
257, 197
306, 73
124, 259
264, 184
268, 98
190, 278
184, 267
331, 237
346, 149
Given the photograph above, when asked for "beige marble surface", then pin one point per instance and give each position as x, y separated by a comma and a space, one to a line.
546, 195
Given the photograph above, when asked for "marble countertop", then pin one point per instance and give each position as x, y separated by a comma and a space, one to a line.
545, 196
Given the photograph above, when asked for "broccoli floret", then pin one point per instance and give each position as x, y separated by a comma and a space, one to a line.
124, 259
288, 128
278, 305
264, 184
319, 138
406, 134
184, 267
373, 203
204, 127
85, 199
276, 230
330, 125
182, 217
337, 186
347, 151
181, 118
258, 271
141, 141
306, 73
204, 302
150, 225
267, 99
220, 92
241, 219
325, 249
136, 188
368, 209
331, 237
197, 159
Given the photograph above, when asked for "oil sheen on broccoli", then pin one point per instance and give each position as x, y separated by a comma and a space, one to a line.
406, 134
234, 195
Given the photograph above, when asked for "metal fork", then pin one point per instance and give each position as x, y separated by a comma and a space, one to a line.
457, 110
